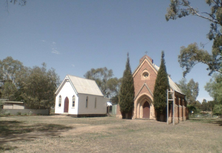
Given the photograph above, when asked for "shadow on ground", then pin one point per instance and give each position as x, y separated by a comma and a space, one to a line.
11, 131
204, 120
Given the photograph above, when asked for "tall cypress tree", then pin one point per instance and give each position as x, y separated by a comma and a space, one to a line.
126, 94
161, 85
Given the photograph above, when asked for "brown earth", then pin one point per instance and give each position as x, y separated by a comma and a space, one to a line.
107, 134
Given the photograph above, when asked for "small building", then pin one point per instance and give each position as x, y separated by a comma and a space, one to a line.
13, 105
79, 97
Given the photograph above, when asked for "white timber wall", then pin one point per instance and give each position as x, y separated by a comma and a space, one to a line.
13, 106
91, 109
66, 91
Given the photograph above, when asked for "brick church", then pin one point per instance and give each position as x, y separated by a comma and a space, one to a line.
144, 81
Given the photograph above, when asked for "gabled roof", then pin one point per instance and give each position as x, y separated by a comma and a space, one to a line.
81, 85
147, 59
172, 84
142, 61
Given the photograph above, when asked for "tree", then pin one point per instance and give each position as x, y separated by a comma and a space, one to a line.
190, 89
9, 90
205, 105
114, 87
161, 86
191, 109
39, 87
196, 104
211, 105
108, 84
191, 55
10, 70
217, 109
126, 94
214, 87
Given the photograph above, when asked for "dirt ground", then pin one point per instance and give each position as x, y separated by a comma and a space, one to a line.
63, 134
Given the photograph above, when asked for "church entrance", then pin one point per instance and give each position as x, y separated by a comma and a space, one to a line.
66, 106
146, 110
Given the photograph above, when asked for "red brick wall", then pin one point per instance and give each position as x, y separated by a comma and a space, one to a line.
139, 80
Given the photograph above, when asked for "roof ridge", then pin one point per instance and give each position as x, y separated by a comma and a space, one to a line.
80, 77
152, 64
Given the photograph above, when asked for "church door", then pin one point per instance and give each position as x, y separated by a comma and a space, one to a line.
146, 110
66, 106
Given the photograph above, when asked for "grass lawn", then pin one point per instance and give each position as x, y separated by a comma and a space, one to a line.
107, 134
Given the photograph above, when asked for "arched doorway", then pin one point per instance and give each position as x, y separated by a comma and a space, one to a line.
66, 106
146, 110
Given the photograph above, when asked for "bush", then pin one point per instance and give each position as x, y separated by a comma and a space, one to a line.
19, 113
217, 109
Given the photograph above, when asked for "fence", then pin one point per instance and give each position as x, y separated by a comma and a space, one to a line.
114, 109
25, 111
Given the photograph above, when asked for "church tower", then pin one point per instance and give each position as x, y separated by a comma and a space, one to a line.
144, 81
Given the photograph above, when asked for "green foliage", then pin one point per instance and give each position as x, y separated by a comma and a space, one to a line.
108, 84
35, 86
9, 90
191, 108
191, 55
126, 94
39, 87
161, 86
9, 76
217, 109
196, 104
204, 105
9, 69
190, 89
214, 87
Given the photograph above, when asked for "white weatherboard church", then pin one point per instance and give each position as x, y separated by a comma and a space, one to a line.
79, 97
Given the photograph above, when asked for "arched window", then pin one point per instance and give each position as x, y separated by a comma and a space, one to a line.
73, 100
95, 102
60, 100
86, 101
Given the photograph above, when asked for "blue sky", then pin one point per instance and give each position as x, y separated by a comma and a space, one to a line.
73, 36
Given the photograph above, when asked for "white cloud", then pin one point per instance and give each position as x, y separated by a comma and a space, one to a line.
54, 48
73, 65
55, 51
43, 41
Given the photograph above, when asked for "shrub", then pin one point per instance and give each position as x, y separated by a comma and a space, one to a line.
19, 113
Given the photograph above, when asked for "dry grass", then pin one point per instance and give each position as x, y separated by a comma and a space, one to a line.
107, 134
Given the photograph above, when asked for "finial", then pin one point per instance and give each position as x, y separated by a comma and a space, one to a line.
127, 54
146, 52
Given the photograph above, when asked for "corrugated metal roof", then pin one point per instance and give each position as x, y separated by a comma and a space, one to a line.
12, 102
85, 86
172, 84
